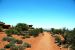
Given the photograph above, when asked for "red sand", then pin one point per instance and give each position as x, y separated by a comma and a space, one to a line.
2, 43
41, 42
45, 42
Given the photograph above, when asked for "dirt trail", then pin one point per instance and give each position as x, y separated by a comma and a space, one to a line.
42, 42
46, 42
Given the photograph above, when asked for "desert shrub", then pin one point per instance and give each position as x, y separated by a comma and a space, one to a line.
34, 32
69, 36
14, 31
8, 32
9, 45
12, 40
22, 27
21, 47
57, 31
19, 41
58, 40
40, 30
26, 36
14, 47
71, 47
5, 39
27, 45
9, 39
11, 31
2, 49
17, 47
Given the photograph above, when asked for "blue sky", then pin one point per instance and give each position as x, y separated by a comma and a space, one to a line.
40, 13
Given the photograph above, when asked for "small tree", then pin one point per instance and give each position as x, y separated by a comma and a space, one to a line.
22, 27
41, 30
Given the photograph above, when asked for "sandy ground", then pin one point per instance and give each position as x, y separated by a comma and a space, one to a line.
45, 42
2, 43
42, 42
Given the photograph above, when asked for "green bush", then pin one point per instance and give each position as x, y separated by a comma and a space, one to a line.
58, 40
34, 32
69, 36
12, 40
17, 47
5, 39
26, 36
26, 45
41, 30
8, 39
14, 31
8, 32
11, 31
8, 45
22, 27
57, 31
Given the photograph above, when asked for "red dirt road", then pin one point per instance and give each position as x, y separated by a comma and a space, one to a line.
45, 42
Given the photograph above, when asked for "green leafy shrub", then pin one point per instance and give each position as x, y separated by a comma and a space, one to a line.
27, 45
8, 45
34, 32
8, 32
22, 27
11, 31
5, 39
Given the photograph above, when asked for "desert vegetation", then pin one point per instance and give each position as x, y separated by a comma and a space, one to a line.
21, 29
68, 35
